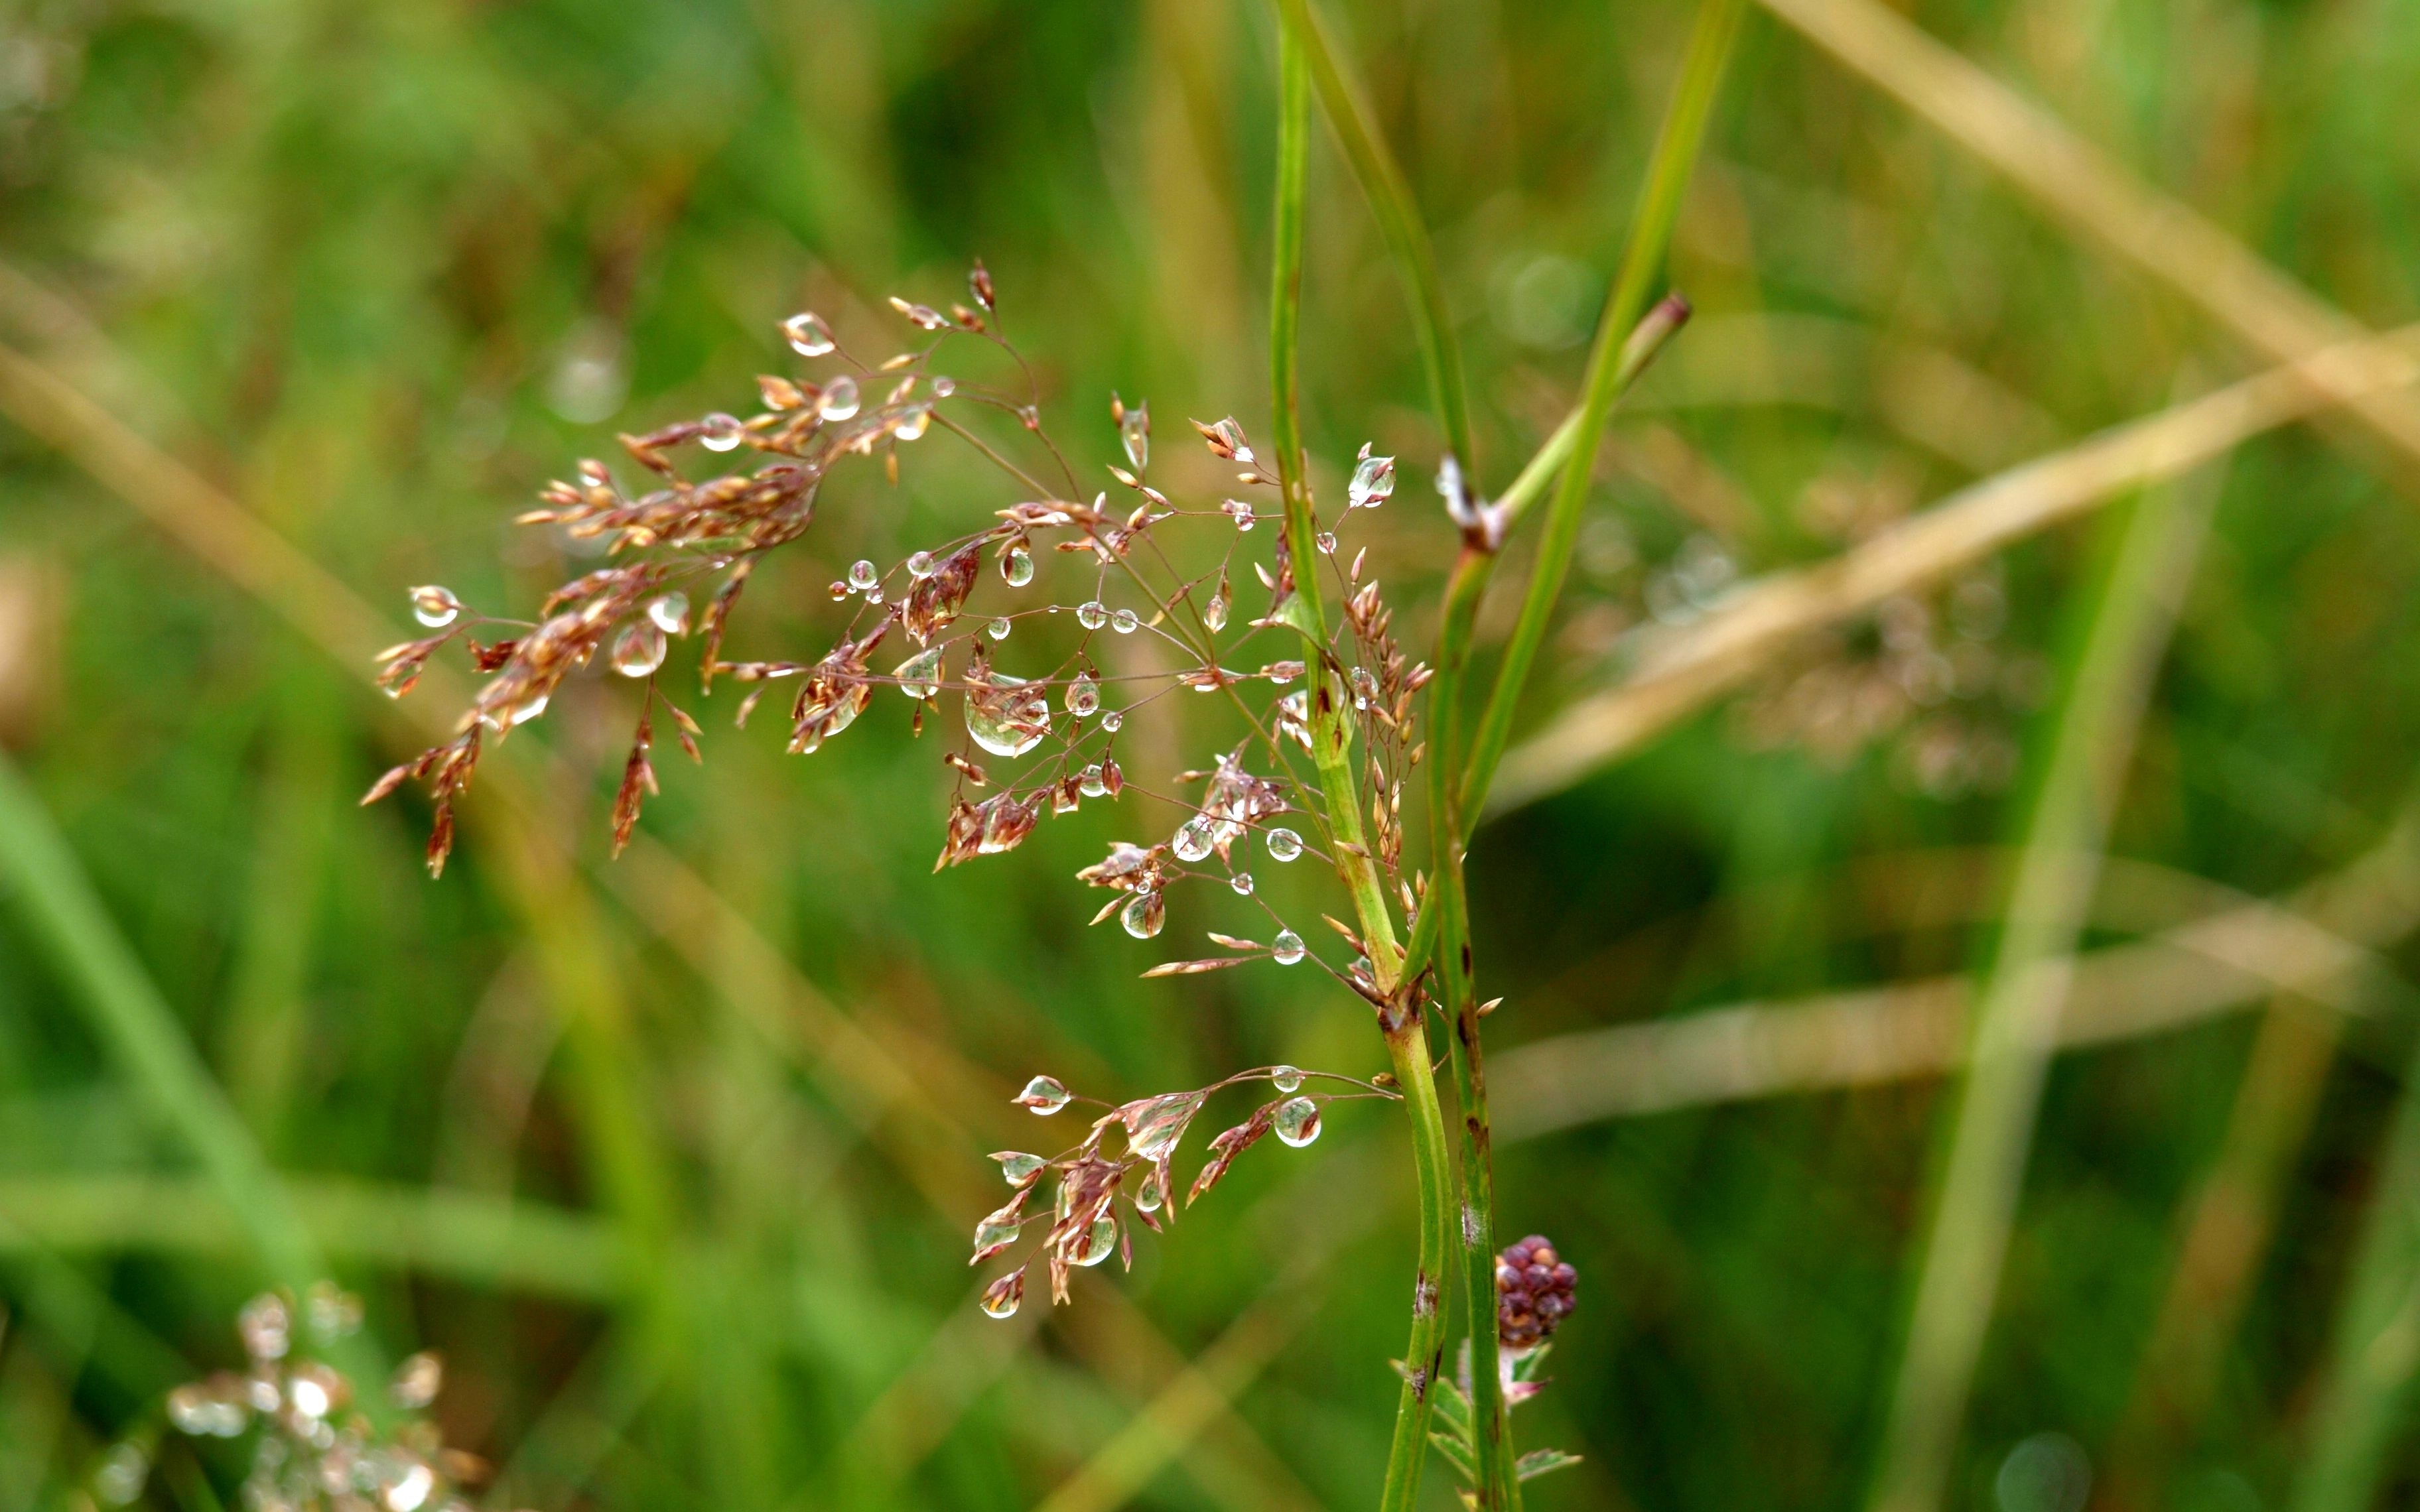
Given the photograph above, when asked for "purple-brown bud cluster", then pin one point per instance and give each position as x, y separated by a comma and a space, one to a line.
1534, 1293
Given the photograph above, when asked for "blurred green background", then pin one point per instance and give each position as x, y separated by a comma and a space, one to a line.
680, 1187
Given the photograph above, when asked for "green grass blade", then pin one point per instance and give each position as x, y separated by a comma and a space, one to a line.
2017, 1021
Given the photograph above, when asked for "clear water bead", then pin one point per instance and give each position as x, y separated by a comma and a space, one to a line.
840, 398
862, 576
639, 650
808, 334
1093, 784
1283, 844
720, 432
1010, 717
1134, 434
920, 675
1286, 1078
839, 591
920, 564
1240, 512
1043, 1095
1091, 614
1149, 1196
1144, 914
1373, 482
1124, 621
1084, 696
1287, 947
1242, 883
1298, 1121
435, 607
1001, 1298
1017, 564
997, 628
1213, 614
1325, 541
912, 423
944, 386
1193, 841
1018, 1168
671, 613
1102, 1242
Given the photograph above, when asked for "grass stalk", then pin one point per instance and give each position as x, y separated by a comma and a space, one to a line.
1650, 233
1399, 1020
2365, 1388
2016, 1030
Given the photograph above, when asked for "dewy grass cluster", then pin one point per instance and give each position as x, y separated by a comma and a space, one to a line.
998, 634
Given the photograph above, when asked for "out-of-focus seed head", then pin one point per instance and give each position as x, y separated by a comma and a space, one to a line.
1534, 1289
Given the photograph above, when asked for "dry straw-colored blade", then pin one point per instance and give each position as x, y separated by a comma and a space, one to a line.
1677, 672
2084, 186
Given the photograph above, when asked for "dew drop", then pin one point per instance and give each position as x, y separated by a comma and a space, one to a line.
1084, 696
944, 386
1365, 687
861, 575
1287, 947
1102, 1242
435, 607
991, 1233
1091, 614
920, 675
1298, 1121
1240, 512
1286, 1078
920, 564
1092, 783
808, 334
526, 710
1193, 841
1134, 434
1213, 614
912, 422
839, 592
1124, 621
1149, 1196
1017, 564
1019, 1167
671, 613
1242, 883
1001, 1298
1043, 1095
1115, 720
1008, 717
720, 432
639, 650
840, 399
998, 629
1144, 913
1373, 483
1283, 844
1325, 541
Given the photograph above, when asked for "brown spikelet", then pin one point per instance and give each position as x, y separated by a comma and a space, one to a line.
1195, 968
441, 837
637, 773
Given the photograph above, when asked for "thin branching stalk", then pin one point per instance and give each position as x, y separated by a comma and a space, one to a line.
2017, 1022
1406, 1031
1659, 204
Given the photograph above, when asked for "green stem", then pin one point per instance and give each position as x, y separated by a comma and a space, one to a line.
1399, 1018
1659, 204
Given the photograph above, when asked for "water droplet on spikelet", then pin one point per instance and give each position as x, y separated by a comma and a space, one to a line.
1017, 564
862, 576
1287, 947
1134, 434
1242, 883
1084, 696
1000, 1299
840, 399
920, 675
1100, 1244
1286, 1078
1149, 1196
1325, 541
920, 564
1115, 720
1283, 844
1213, 614
1018, 1168
1373, 483
1193, 841
671, 613
1124, 621
1298, 1121
914, 422
1092, 783
997, 628
1007, 715
1240, 512
1091, 614
435, 607
808, 334
1043, 1095
639, 650
720, 432
1144, 914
